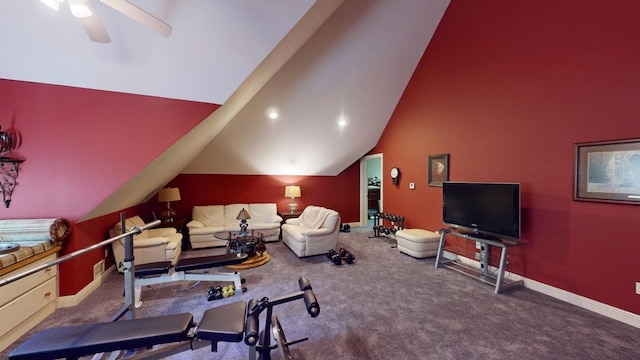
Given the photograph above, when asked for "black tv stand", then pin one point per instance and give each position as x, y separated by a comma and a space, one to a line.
479, 235
483, 274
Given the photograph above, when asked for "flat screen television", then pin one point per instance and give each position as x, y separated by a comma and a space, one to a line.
484, 209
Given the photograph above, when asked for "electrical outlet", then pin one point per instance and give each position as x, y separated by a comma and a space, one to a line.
638, 287
412, 186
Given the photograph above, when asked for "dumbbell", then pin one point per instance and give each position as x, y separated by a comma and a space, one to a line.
334, 256
342, 254
347, 256
214, 293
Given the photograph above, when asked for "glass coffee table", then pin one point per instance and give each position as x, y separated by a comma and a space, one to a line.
250, 242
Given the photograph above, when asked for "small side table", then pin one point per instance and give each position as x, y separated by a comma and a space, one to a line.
180, 224
287, 215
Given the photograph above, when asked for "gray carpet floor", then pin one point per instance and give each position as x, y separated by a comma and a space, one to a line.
385, 305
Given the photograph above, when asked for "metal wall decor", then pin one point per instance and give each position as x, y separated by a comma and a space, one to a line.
9, 166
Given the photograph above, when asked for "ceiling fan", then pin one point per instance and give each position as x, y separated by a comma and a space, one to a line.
86, 16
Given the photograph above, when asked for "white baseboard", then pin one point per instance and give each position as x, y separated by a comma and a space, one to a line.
73, 300
609, 311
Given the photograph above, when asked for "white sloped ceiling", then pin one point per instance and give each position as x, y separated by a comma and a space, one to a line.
317, 62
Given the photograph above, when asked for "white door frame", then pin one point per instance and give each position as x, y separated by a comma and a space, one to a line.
364, 187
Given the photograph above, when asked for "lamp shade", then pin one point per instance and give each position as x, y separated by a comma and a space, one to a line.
292, 191
243, 215
169, 194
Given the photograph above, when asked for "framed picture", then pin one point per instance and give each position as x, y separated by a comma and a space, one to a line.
438, 170
608, 171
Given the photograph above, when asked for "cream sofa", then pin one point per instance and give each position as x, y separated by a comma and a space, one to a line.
314, 232
209, 219
151, 245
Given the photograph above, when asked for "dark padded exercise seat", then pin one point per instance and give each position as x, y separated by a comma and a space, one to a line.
206, 262
88, 339
155, 268
223, 323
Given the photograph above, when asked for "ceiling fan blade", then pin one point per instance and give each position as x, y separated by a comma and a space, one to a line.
87, 17
140, 16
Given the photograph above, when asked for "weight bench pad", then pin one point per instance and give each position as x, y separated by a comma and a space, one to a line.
206, 262
223, 323
88, 339
154, 268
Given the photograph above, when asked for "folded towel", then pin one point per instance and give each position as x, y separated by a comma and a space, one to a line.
313, 217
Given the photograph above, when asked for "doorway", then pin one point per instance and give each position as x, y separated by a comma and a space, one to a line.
370, 188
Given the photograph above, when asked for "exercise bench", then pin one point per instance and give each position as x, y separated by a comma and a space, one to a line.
175, 333
163, 272
220, 324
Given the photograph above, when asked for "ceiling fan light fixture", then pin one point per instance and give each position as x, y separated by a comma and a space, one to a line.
139, 15
54, 4
79, 9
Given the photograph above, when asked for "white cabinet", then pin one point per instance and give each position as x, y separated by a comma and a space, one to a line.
26, 302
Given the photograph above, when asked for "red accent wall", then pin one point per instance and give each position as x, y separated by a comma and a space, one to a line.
81, 145
507, 88
340, 192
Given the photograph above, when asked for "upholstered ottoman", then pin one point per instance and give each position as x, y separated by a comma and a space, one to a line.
417, 242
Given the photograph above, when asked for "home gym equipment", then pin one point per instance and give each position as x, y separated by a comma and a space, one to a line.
195, 269
261, 340
176, 332
154, 273
386, 224
346, 255
337, 257
219, 292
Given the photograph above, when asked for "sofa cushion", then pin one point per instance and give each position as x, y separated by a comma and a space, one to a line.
209, 215
231, 212
210, 230
263, 213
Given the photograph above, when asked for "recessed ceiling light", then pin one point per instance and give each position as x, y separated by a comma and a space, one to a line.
342, 121
272, 113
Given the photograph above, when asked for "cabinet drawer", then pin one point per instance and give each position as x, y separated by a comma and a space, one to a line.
20, 308
17, 288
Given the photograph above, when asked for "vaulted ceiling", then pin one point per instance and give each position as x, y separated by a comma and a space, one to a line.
333, 70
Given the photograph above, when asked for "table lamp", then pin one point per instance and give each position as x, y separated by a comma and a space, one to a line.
168, 195
292, 191
243, 216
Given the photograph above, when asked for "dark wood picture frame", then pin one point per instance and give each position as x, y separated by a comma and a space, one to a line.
607, 171
438, 169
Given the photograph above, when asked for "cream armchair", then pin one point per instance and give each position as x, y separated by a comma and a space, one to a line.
314, 232
151, 245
